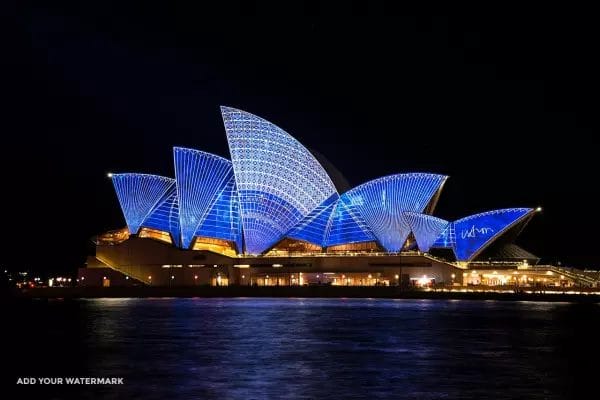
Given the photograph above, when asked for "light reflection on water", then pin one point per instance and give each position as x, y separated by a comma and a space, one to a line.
312, 348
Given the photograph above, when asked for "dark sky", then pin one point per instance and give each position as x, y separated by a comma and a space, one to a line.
504, 105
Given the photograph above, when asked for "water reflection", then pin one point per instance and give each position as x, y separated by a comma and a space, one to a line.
313, 348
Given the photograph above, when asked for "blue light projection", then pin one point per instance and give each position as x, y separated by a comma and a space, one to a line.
476, 232
200, 178
347, 226
425, 228
223, 219
279, 181
315, 226
446, 239
138, 194
381, 203
165, 216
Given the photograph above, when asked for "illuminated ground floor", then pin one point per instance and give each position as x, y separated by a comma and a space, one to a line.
143, 261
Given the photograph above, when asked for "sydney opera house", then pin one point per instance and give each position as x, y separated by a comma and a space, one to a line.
277, 213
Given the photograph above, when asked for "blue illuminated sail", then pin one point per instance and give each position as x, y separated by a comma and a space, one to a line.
476, 232
314, 227
425, 228
138, 194
200, 177
347, 226
223, 219
165, 216
381, 203
279, 181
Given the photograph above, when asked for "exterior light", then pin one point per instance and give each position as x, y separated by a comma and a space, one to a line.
83, 278
172, 276
149, 277
104, 278
126, 278
109, 175
539, 209
244, 276
370, 276
195, 276
453, 276
69, 279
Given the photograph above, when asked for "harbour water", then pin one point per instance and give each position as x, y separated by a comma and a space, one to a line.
259, 348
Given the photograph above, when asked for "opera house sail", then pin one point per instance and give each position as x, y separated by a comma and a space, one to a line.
274, 197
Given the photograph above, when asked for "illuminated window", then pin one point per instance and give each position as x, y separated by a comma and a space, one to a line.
215, 245
113, 237
288, 245
156, 235
354, 247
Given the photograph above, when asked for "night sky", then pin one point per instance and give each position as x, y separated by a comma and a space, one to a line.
504, 105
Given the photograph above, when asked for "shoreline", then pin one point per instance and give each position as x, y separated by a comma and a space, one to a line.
296, 291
